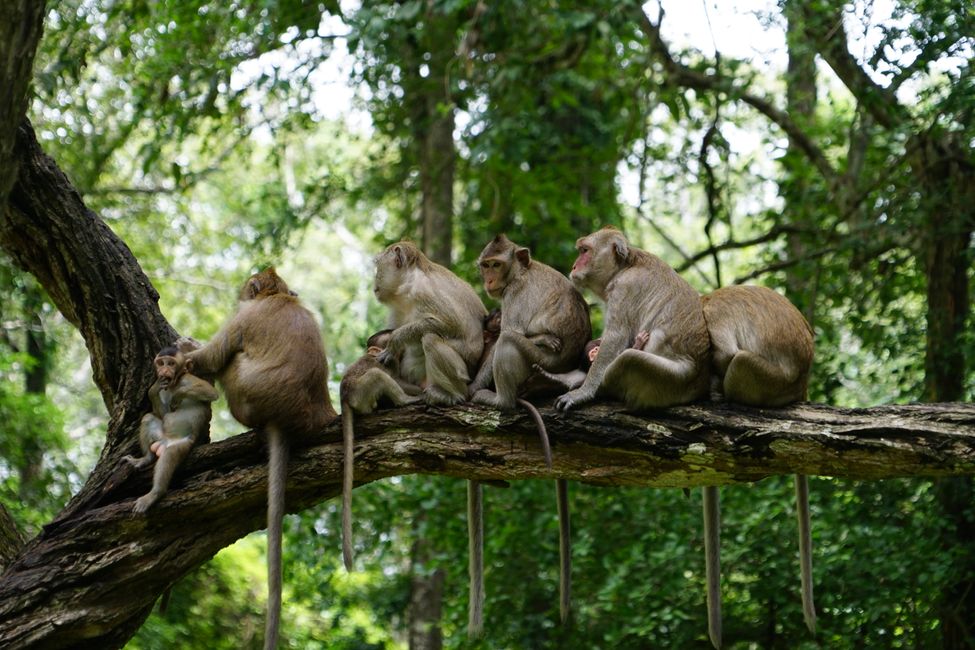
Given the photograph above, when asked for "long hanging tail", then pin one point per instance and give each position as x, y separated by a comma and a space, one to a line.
712, 562
805, 551
475, 558
565, 550
277, 477
348, 434
542, 431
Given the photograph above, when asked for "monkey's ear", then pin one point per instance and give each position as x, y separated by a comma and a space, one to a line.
187, 365
400, 256
620, 248
524, 256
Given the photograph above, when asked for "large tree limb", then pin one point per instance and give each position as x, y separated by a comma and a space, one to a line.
21, 23
92, 578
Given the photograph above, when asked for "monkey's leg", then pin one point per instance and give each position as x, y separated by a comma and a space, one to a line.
446, 372
563, 380
175, 452
150, 431
805, 551
647, 380
513, 357
475, 558
752, 379
712, 562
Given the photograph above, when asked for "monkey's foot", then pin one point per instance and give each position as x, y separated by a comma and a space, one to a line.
436, 396
640, 341
145, 502
487, 397
137, 463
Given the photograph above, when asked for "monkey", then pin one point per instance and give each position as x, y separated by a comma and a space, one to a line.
641, 294
364, 384
544, 323
761, 353
437, 338
270, 360
179, 419
436, 320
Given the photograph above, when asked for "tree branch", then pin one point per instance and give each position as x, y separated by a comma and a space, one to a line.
92, 577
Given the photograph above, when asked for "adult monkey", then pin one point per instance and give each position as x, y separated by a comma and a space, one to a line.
437, 339
270, 359
364, 385
643, 294
178, 421
544, 323
761, 352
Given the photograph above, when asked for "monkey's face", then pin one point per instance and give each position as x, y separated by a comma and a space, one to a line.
493, 274
389, 276
169, 368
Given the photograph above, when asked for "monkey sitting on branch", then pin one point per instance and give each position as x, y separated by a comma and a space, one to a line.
544, 323
761, 353
365, 384
270, 359
180, 418
436, 342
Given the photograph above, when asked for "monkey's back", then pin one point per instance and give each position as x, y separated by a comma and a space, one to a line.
279, 377
760, 320
649, 295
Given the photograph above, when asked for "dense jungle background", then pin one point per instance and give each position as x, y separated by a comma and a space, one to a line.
819, 147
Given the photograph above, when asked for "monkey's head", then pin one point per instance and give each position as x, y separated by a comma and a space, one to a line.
601, 255
264, 283
378, 340
492, 326
392, 266
170, 365
501, 261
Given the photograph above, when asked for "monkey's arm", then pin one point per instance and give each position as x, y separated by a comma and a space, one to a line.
216, 354
192, 387
614, 341
411, 333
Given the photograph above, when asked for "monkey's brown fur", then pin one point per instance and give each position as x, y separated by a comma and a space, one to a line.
270, 359
365, 384
179, 419
641, 293
761, 351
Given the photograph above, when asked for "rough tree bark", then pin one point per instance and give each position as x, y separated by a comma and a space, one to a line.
92, 577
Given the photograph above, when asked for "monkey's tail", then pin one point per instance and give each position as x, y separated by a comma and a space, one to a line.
277, 477
805, 551
348, 435
565, 550
475, 558
542, 431
712, 562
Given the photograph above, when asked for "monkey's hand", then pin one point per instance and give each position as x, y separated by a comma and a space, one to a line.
549, 341
187, 344
573, 398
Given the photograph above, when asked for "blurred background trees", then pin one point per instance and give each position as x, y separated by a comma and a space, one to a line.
821, 148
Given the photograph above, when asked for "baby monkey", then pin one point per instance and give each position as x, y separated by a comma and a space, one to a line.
180, 417
365, 384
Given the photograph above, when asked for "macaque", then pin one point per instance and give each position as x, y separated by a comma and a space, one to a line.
436, 342
641, 294
179, 419
544, 323
270, 359
651, 307
365, 384
436, 320
761, 353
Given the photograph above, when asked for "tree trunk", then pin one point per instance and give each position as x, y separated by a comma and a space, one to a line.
35, 383
21, 23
